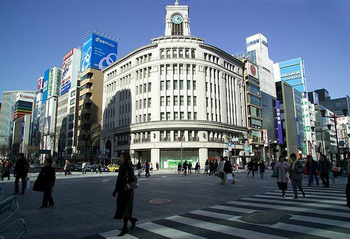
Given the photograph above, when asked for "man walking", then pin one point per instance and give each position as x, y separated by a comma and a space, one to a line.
147, 169
250, 167
296, 174
311, 168
185, 165
83, 167
325, 167
21, 172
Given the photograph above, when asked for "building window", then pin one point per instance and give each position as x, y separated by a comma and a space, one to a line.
149, 87
194, 100
71, 110
188, 85
195, 115
162, 85
175, 85
137, 104
72, 93
176, 100
162, 116
168, 85
189, 115
175, 69
189, 100
144, 103
168, 116
149, 117
72, 102
162, 70
181, 84
168, 101
144, 88
176, 115
174, 53
162, 101
182, 115
181, 68
182, 100
149, 102
194, 85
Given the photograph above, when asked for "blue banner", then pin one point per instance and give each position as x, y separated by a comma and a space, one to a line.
45, 85
98, 52
279, 122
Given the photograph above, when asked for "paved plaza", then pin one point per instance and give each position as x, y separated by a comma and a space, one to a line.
196, 206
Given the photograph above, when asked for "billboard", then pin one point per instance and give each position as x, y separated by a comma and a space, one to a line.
279, 122
98, 52
292, 72
45, 84
253, 70
67, 70
40, 83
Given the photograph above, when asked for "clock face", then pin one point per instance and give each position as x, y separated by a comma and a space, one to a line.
177, 19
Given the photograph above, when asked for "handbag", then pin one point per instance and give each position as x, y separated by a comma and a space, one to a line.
229, 177
275, 174
130, 182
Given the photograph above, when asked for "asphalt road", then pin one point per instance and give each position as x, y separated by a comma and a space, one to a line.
84, 205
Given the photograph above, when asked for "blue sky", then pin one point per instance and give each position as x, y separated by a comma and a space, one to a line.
35, 34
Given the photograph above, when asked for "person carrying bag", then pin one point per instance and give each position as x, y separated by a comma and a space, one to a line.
281, 169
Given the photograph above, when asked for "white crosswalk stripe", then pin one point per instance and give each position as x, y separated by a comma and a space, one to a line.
321, 214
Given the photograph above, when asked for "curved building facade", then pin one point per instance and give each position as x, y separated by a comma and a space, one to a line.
175, 99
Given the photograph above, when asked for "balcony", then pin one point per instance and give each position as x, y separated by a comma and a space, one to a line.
217, 140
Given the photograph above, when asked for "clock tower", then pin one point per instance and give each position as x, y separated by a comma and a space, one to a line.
177, 21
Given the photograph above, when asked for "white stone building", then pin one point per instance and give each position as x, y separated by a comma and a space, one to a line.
175, 99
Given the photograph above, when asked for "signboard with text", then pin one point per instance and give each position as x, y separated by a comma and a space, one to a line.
98, 52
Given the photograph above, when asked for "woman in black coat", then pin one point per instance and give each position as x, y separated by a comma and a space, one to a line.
125, 198
45, 182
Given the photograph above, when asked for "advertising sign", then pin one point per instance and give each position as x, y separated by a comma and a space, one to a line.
67, 71
253, 70
98, 52
266, 138
25, 97
40, 83
45, 84
279, 122
298, 131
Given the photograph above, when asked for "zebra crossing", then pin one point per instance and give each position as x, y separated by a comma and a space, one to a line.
321, 214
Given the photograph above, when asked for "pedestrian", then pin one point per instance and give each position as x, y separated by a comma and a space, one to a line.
185, 166
296, 175
147, 167
220, 171
83, 167
21, 172
66, 168
139, 168
262, 169
157, 166
272, 165
99, 168
211, 168
151, 167
6, 171
281, 168
250, 167
125, 198
196, 168
311, 168
45, 183
228, 171
348, 191
216, 165
190, 167
331, 176
179, 168
325, 167
206, 167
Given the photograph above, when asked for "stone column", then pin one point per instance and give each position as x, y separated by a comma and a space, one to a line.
155, 157
203, 156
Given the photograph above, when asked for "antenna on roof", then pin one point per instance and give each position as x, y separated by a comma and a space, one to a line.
177, 3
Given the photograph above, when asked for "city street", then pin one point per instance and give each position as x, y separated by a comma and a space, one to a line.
199, 208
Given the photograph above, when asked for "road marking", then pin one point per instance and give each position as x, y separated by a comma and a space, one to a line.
233, 209
303, 199
310, 231
323, 221
167, 231
233, 231
114, 234
105, 180
215, 215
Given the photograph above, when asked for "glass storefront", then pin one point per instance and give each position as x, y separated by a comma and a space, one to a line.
171, 158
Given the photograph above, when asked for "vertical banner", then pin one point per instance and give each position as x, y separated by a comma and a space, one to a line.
279, 122
265, 137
